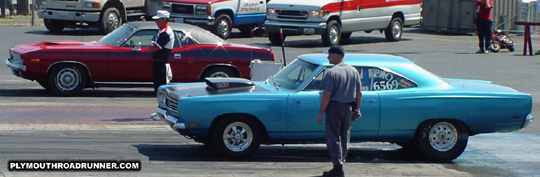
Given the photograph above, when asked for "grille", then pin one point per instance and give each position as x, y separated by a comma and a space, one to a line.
182, 9
172, 105
293, 14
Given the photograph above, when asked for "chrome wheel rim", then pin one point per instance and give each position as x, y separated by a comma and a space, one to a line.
219, 74
396, 30
443, 136
112, 21
223, 28
333, 34
237, 136
67, 79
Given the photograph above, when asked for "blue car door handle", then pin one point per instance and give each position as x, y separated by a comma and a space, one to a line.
373, 101
298, 101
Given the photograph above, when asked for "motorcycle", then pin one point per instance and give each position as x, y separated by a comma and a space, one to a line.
501, 40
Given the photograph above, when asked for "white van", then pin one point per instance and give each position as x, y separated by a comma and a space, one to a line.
335, 20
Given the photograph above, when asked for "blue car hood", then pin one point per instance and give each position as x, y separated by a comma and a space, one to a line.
214, 86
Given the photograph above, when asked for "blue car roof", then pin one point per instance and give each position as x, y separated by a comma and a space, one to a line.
357, 59
395, 63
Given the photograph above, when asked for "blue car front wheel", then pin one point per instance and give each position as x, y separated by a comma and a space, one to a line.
236, 136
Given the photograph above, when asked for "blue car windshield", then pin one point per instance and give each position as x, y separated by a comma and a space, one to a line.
293, 75
118, 36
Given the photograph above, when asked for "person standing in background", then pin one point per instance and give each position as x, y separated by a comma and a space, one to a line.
484, 24
3, 4
161, 48
538, 11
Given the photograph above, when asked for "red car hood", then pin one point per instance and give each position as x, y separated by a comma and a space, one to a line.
58, 45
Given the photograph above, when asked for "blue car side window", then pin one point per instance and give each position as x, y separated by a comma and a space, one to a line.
315, 84
381, 79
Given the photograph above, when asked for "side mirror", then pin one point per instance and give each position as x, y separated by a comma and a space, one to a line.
136, 47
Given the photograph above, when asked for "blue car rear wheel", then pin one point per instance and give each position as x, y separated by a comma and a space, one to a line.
442, 140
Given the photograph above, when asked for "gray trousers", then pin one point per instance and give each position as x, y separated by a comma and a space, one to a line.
338, 131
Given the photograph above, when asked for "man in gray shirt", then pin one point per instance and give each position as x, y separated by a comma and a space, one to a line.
340, 100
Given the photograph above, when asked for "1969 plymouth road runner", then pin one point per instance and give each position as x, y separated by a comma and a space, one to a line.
122, 59
402, 103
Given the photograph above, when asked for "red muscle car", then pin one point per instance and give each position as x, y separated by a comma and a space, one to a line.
122, 59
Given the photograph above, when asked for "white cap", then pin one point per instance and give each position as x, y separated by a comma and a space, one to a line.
161, 14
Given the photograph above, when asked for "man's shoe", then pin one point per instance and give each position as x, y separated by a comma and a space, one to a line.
537, 52
481, 51
335, 172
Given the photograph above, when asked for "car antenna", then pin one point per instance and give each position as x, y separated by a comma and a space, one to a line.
282, 46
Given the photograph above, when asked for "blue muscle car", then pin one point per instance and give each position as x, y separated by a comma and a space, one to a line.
402, 103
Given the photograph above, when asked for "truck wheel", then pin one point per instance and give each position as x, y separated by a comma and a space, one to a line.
222, 27
442, 140
275, 38
67, 80
332, 34
394, 30
54, 26
236, 137
110, 20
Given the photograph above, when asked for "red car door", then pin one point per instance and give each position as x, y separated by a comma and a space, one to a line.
179, 56
128, 65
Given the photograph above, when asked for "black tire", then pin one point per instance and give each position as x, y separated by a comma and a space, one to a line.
332, 35
67, 80
275, 39
495, 46
394, 30
222, 26
110, 20
442, 140
345, 37
511, 48
218, 72
246, 30
236, 136
54, 26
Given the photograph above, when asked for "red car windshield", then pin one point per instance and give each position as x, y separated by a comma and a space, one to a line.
118, 36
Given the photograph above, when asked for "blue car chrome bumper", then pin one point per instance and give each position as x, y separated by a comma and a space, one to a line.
162, 115
528, 121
